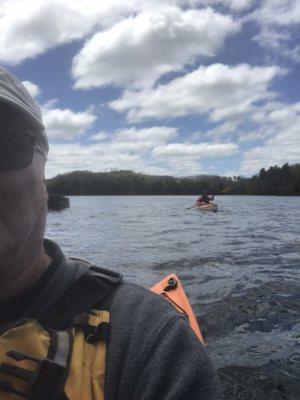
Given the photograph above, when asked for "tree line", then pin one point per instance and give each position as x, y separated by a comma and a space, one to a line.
276, 180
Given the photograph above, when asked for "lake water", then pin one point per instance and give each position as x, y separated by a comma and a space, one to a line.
239, 266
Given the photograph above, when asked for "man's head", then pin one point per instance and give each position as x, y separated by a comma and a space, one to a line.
23, 196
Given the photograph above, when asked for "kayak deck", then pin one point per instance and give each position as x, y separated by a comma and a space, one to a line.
171, 288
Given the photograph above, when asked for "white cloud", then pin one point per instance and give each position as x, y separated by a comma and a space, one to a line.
259, 134
194, 151
276, 18
99, 136
139, 50
280, 132
283, 13
29, 28
225, 128
145, 150
156, 134
239, 111
98, 157
235, 5
123, 149
238, 5
66, 124
69, 157
283, 148
277, 113
134, 140
32, 88
219, 90
268, 135
184, 159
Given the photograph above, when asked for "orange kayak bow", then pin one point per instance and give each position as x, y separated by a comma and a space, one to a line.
171, 288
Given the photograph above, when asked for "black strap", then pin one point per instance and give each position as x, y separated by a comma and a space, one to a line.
65, 276
53, 372
108, 276
87, 293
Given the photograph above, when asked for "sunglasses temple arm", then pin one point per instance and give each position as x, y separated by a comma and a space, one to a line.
39, 150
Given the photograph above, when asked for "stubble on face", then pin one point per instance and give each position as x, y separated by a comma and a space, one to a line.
23, 210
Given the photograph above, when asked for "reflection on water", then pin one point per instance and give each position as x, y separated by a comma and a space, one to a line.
240, 268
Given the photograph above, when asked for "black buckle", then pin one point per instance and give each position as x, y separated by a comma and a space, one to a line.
92, 333
95, 334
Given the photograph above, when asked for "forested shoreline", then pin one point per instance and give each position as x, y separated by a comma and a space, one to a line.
276, 180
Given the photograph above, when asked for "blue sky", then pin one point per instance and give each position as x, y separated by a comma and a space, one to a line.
179, 87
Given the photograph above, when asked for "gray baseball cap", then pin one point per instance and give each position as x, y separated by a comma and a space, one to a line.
14, 94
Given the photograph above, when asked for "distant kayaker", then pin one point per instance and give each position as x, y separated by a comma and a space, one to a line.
204, 198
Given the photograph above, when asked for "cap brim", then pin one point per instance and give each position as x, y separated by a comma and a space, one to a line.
14, 103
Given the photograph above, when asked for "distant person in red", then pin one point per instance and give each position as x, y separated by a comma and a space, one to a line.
204, 199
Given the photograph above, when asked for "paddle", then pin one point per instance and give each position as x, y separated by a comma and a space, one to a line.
188, 208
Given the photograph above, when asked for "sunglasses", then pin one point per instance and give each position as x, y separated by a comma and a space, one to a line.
16, 150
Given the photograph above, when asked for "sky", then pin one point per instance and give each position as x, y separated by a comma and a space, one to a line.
164, 87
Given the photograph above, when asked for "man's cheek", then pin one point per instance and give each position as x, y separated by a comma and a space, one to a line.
11, 201
12, 187
9, 238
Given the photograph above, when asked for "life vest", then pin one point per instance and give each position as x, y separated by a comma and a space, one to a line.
38, 363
